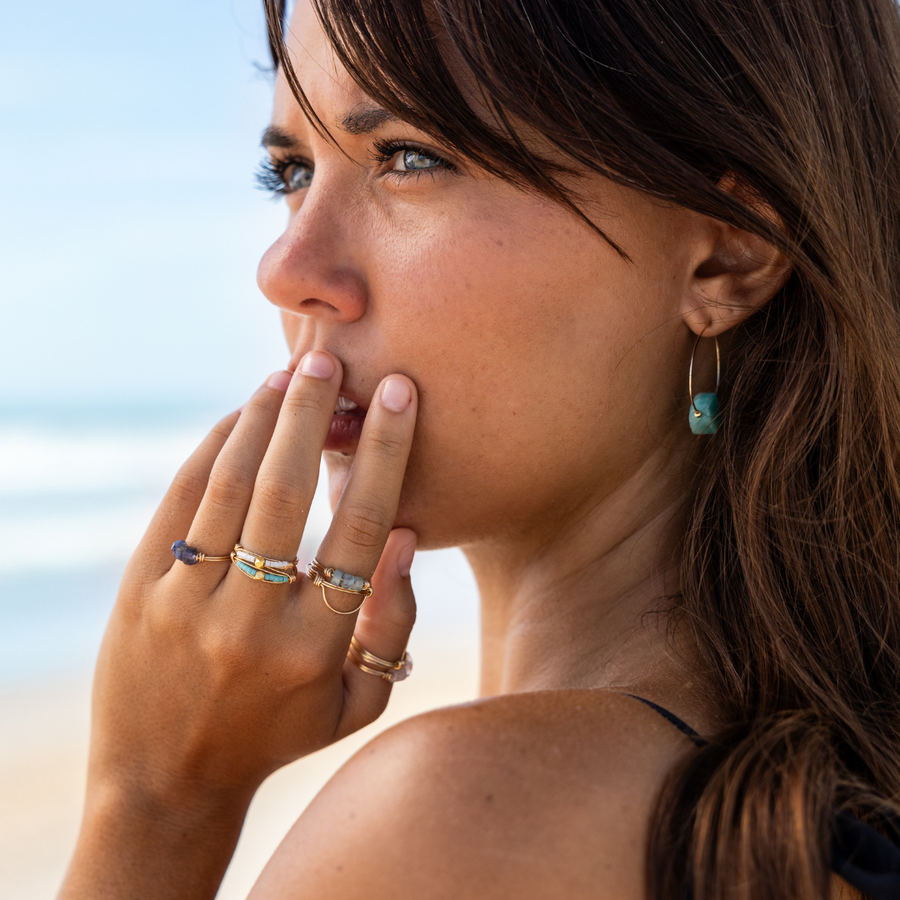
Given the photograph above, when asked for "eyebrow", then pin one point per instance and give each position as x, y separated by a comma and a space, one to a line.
274, 136
366, 118
362, 119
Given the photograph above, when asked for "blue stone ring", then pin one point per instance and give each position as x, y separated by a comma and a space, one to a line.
262, 568
190, 556
336, 580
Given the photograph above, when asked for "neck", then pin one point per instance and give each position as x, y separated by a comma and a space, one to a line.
582, 604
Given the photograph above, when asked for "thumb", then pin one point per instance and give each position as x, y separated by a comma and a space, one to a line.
383, 628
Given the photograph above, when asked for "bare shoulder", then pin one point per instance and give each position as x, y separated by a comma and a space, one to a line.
531, 795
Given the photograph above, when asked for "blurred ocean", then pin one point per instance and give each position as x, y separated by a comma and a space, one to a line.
77, 490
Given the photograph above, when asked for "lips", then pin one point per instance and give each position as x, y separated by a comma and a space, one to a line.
346, 426
347, 420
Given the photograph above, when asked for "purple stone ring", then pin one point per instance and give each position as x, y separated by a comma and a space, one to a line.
190, 556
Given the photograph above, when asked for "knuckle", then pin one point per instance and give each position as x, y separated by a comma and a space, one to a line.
387, 444
307, 401
366, 525
187, 487
223, 428
164, 620
278, 499
266, 402
314, 666
229, 486
227, 652
402, 620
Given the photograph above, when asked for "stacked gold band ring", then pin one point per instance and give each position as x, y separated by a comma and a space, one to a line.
375, 665
337, 580
262, 568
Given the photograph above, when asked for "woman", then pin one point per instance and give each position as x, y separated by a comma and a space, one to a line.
516, 230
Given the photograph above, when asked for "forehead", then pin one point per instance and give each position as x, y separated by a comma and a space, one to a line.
326, 83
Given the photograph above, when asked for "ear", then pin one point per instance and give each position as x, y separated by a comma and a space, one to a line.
735, 272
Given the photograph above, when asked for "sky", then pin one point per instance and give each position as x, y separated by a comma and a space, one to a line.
130, 228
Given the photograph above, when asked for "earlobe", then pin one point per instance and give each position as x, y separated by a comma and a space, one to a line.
736, 272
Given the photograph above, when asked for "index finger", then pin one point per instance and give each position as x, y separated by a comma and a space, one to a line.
368, 506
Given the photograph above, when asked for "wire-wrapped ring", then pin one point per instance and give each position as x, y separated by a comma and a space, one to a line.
262, 568
337, 580
190, 556
374, 665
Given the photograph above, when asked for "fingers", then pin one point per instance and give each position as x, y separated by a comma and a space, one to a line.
383, 628
368, 506
172, 520
287, 478
217, 525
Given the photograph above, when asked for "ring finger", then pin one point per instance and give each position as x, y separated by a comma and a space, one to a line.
368, 506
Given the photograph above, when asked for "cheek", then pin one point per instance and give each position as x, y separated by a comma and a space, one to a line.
515, 357
508, 325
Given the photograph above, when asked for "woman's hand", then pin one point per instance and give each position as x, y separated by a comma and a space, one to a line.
208, 680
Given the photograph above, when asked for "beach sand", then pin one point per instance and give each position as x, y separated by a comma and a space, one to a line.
44, 740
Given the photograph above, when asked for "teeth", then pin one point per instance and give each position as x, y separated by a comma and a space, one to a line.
344, 405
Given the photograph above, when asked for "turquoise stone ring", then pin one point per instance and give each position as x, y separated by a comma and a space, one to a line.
262, 568
260, 575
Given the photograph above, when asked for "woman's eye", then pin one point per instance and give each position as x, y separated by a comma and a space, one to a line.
282, 177
405, 159
415, 160
296, 177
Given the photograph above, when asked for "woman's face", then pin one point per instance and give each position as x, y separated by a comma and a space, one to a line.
548, 367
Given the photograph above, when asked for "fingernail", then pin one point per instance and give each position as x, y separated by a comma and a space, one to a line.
317, 365
405, 559
396, 394
279, 381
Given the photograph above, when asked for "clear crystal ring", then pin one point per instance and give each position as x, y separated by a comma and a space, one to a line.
375, 665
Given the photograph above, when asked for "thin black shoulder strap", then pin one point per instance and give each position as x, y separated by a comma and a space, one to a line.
862, 856
680, 724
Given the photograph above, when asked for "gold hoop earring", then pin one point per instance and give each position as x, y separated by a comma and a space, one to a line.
702, 416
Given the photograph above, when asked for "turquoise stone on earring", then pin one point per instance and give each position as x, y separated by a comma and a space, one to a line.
707, 405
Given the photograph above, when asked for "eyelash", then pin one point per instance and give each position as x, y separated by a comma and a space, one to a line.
385, 151
270, 173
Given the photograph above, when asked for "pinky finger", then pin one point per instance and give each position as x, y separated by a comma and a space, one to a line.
383, 629
153, 557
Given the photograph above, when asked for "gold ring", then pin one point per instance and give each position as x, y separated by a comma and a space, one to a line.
262, 568
375, 665
338, 581
190, 556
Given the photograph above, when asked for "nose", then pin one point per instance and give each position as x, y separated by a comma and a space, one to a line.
310, 270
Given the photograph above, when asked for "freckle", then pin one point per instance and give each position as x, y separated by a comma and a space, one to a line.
489, 798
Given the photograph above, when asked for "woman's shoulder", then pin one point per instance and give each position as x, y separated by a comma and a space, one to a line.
545, 794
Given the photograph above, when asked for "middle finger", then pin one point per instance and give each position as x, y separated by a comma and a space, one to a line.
289, 472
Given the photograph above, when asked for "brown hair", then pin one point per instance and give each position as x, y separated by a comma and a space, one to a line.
791, 574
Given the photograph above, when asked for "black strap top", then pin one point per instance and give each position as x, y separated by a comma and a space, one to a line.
862, 856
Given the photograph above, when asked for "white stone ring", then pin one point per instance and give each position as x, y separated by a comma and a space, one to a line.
337, 580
